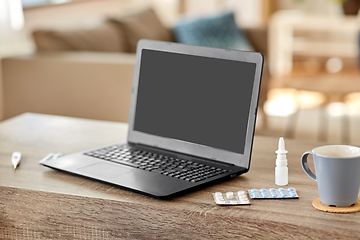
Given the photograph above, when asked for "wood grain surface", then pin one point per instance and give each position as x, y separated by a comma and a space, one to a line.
40, 203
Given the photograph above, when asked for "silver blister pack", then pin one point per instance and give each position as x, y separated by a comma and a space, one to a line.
231, 198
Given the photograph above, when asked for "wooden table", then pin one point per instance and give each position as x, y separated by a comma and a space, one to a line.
40, 203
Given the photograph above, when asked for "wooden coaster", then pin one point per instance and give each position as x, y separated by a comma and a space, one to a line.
322, 207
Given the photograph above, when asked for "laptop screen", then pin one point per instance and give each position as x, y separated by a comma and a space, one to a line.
195, 99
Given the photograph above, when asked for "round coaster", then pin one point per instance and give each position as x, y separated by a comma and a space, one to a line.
322, 207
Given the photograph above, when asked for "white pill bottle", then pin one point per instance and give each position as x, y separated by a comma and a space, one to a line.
281, 169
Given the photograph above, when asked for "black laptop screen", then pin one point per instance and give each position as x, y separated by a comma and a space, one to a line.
195, 99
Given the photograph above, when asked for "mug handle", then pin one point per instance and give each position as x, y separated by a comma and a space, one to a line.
305, 165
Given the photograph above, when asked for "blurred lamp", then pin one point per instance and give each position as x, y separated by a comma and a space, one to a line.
11, 22
11, 15
16, 14
334, 65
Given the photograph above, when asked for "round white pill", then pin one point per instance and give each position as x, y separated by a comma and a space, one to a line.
241, 193
220, 198
218, 194
230, 195
244, 199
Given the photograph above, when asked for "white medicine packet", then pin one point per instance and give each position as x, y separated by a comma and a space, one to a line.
231, 198
51, 156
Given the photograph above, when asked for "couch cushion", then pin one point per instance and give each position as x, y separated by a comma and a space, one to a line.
219, 31
105, 37
142, 25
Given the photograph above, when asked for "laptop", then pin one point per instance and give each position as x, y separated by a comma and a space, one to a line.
191, 121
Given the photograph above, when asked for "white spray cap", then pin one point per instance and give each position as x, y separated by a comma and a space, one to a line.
281, 146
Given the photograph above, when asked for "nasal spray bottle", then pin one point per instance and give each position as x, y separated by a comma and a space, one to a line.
281, 169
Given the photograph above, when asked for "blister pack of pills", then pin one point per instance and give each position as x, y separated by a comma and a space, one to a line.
272, 193
231, 198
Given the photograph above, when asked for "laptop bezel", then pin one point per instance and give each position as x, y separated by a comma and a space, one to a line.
136, 137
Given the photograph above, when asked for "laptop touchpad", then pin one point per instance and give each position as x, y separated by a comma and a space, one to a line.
104, 170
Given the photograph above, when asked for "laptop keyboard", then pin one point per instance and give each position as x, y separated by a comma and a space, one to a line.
167, 165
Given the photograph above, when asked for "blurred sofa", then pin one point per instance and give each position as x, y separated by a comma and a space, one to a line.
88, 73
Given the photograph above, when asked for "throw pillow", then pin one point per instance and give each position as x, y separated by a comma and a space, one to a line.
105, 37
219, 31
142, 25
